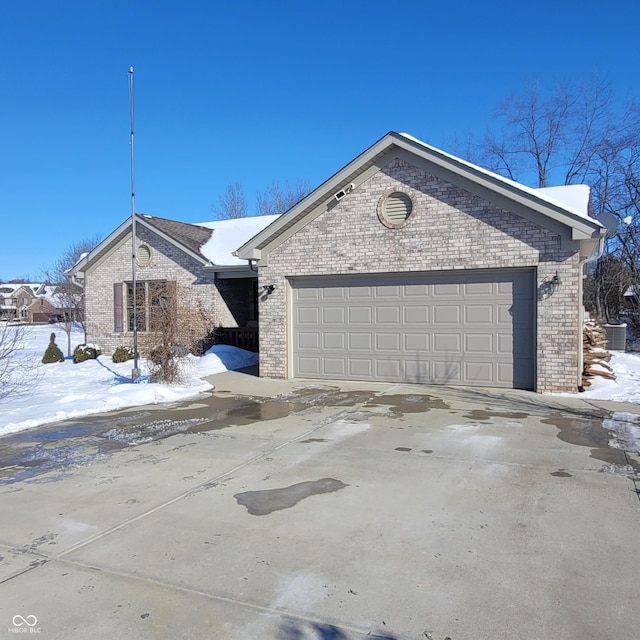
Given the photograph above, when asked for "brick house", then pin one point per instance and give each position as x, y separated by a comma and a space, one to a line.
412, 265
189, 264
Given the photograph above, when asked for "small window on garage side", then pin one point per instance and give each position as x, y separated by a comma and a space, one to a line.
395, 208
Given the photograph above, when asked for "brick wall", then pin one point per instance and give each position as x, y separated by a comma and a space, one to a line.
450, 229
195, 288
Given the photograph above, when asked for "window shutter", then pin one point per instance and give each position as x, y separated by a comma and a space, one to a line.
117, 308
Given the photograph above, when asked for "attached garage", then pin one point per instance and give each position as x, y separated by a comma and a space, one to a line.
412, 265
473, 328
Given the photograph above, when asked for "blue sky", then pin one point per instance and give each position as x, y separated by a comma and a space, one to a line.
255, 91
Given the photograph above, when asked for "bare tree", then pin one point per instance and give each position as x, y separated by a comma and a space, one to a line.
15, 370
277, 199
574, 135
68, 296
233, 204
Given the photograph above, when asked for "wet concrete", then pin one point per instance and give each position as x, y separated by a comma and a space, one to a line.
484, 415
262, 503
58, 447
590, 432
413, 403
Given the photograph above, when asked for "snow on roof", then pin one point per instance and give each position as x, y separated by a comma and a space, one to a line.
228, 235
572, 198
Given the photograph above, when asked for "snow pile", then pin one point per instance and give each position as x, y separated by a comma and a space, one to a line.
626, 386
65, 390
625, 428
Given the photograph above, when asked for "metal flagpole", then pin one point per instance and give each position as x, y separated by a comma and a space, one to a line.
135, 373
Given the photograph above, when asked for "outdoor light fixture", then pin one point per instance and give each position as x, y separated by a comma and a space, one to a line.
268, 289
555, 281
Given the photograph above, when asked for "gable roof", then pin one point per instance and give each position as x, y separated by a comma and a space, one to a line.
565, 213
209, 243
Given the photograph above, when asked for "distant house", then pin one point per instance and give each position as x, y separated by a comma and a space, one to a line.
189, 266
29, 302
412, 265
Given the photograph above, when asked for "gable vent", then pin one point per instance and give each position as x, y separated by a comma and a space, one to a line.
143, 255
396, 208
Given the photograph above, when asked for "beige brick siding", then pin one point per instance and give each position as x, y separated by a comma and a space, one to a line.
195, 288
449, 229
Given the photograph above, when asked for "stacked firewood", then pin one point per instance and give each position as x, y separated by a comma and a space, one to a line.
596, 356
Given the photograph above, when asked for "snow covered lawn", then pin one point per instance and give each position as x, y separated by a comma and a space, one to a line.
55, 392
63, 390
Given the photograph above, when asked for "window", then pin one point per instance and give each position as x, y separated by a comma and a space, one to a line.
152, 299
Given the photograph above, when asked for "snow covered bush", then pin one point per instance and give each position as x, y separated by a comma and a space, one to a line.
122, 354
85, 352
53, 353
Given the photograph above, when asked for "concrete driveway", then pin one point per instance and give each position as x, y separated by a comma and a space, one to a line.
301, 511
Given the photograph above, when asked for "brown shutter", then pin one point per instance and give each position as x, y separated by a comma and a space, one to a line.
117, 308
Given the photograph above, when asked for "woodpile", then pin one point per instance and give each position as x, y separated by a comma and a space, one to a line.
596, 356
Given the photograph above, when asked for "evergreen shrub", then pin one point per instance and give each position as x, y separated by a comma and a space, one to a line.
52, 353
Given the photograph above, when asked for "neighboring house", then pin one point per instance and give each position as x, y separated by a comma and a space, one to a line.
412, 265
16, 299
30, 302
189, 266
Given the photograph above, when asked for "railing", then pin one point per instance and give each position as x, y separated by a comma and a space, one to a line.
242, 337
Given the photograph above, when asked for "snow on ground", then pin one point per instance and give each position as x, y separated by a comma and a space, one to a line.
54, 392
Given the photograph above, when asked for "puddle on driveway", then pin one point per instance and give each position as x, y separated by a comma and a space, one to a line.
262, 503
414, 403
591, 432
484, 415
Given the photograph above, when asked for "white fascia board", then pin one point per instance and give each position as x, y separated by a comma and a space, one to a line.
513, 190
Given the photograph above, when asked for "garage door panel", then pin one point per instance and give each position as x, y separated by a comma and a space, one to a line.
389, 292
360, 341
483, 289
478, 314
387, 315
416, 342
449, 343
333, 293
388, 342
308, 315
333, 341
308, 340
361, 369
389, 370
357, 293
333, 315
334, 367
418, 371
360, 315
472, 328
479, 343
446, 290
479, 373
446, 372
446, 314
309, 366
416, 315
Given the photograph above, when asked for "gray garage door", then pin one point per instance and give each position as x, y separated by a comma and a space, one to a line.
464, 328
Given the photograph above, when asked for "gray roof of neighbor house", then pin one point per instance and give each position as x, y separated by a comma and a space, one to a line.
546, 207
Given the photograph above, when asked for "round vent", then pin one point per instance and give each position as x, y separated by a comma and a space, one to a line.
396, 209
143, 255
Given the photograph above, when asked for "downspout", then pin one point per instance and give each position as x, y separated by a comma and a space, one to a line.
581, 264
